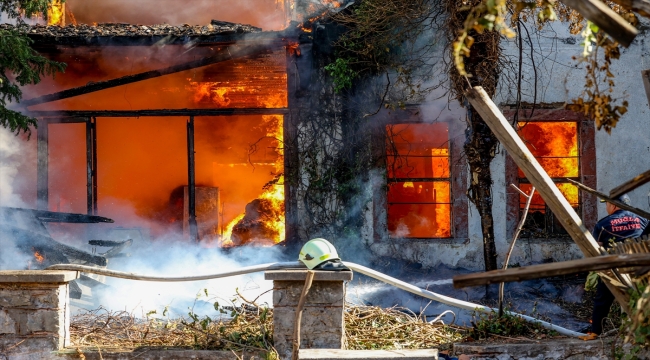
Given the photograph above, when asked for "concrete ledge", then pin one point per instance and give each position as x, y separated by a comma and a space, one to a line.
331, 354
300, 275
548, 349
145, 353
38, 276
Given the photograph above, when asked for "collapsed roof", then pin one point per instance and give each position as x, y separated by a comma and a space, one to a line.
116, 34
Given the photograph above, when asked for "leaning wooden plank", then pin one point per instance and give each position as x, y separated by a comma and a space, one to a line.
619, 204
609, 21
632, 184
553, 269
539, 178
645, 75
533, 170
640, 6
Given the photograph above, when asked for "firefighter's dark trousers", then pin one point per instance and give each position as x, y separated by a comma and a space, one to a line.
602, 302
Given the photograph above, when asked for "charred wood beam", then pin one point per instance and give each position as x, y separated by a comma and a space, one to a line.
115, 251
89, 167
191, 182
229, 53
51, 249
630, 185
607, 19
52, 216
42, 165
94, 169
158, 112
107, 243
554, 269
619, 204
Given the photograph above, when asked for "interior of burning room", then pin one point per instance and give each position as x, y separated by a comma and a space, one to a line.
141, 162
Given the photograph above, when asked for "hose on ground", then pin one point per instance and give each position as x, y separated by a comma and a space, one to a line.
451, 301
293, 264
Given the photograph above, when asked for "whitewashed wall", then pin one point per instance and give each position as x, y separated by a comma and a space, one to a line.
620, 156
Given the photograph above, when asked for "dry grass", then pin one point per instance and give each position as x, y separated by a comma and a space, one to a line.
248, 330
366, 327
373, 328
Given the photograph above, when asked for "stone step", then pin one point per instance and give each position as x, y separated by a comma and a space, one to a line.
331, 354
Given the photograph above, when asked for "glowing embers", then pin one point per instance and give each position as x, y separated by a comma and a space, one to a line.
256, 83
419, 201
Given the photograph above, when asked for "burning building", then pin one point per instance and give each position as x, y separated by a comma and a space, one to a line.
231, 135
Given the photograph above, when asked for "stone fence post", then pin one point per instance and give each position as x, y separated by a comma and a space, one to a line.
322, 318
34, 313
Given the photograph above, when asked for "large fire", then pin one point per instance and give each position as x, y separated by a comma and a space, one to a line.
56, 13
142, 162
555, 145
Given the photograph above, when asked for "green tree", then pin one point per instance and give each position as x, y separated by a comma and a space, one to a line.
20, 64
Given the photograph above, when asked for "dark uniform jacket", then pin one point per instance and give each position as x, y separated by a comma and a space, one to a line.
618, 226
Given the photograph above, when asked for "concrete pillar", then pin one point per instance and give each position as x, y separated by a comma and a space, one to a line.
322, 318
34, 313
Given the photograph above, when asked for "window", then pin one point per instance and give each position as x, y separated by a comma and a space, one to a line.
555, 145
562, 142
419, 181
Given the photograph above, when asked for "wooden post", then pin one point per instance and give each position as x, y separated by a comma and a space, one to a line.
645, 74
42, 165
298, 319
191, 182
609, 21
94, 142
89, 167
538, 177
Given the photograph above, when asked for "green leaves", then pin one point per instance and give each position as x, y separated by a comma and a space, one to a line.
20, 65
342, 73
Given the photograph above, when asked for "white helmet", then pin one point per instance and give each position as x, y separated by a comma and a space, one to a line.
317, 251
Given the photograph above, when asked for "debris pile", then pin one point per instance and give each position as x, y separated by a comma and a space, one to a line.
251, 328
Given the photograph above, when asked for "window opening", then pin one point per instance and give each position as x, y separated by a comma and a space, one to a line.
555, 146
419, 181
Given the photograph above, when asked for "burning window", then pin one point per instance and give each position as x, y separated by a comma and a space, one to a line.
419, 181
555, 145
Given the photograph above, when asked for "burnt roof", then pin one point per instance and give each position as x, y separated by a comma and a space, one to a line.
118, 34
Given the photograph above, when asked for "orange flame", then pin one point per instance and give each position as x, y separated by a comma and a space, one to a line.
554, 144
55, 13
39, 258
274, 194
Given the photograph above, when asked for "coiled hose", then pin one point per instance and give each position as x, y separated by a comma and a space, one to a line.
294, 264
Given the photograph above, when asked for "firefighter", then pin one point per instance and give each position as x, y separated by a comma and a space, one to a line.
617, 226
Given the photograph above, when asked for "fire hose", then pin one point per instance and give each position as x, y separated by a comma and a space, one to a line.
296, 264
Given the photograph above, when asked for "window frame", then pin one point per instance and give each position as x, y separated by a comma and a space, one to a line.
457, 177
587, 206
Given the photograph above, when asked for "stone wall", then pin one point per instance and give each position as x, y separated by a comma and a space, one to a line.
34, 313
